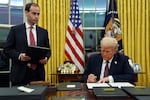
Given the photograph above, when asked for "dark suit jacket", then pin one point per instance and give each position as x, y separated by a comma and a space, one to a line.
119, 68
17, 43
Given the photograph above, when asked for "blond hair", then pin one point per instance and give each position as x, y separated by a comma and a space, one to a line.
109, 42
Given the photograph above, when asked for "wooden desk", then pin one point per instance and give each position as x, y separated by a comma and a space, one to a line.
88, 94
76, 77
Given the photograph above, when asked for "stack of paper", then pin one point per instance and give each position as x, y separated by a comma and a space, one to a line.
121, 84
91, 85
25, 89
115, 84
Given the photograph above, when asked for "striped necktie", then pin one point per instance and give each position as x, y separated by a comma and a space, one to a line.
106, 71
32, 40
32, 43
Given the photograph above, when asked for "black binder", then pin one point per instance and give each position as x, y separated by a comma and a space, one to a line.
36, 52
109, 92
13, 93
138, 91
142, 97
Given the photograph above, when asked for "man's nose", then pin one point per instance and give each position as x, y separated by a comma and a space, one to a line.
36, 16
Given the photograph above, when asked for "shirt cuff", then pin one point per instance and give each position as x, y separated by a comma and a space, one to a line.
19, 58
111, 80
46, 58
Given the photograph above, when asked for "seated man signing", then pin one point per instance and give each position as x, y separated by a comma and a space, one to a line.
117, 65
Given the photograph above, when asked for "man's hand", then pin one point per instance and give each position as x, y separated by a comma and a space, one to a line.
91, 78
43, 61
104, 80
24, 57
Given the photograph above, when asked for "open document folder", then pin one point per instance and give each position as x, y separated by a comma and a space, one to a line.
37, 52
115, 84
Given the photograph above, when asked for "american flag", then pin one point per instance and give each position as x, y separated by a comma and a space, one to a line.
74, 48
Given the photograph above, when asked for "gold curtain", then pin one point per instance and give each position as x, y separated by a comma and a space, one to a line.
54, 16
134, 16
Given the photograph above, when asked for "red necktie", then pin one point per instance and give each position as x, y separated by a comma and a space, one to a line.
32, 40
32, 43
106, 71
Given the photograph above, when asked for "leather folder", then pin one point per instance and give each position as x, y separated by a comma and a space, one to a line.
36, 52
108, 92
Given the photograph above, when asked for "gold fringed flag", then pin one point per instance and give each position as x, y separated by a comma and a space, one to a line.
112, 23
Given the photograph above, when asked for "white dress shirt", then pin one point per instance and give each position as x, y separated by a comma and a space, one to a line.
28, 33
103, 69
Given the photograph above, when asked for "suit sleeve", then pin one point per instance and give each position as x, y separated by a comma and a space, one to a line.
125, 71
10, 45
93, 67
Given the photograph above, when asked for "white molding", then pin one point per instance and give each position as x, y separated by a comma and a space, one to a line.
5, 25
93, 28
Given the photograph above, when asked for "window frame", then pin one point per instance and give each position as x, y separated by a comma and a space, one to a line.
95, 28
9, 25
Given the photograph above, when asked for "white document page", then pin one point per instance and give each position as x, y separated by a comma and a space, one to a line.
25, 89
91, 85
71, 86
121, 84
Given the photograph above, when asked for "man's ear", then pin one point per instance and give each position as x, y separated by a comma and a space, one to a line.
116, 50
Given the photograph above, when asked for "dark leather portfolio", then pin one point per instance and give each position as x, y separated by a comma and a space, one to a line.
109, 92
13, 93
36, 53
138, 91
69, 86
142, 97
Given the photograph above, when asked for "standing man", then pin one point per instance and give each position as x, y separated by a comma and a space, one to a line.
19, 38
108, 65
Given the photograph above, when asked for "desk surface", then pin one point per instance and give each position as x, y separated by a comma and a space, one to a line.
84, 92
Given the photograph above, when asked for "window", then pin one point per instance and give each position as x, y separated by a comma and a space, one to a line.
4, 12
11, 13
92, 13
3, 35
16, 12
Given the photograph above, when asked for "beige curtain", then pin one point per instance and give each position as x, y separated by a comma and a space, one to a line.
54, 17
134, 16
135, 24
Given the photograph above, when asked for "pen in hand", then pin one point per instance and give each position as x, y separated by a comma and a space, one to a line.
91, 78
